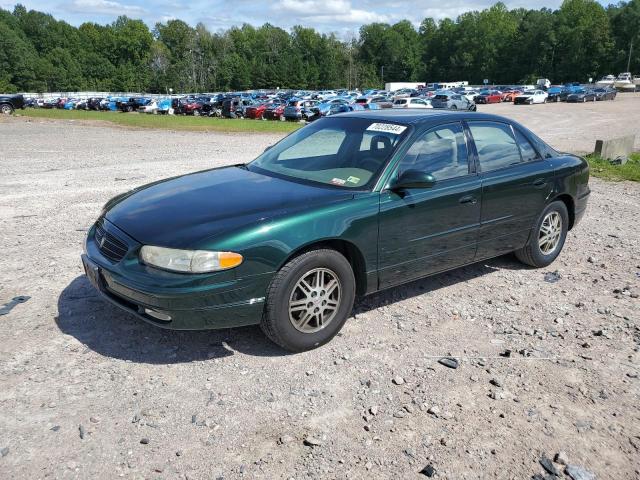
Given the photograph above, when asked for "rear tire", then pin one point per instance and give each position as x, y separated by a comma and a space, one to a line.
6, 109
293, 312
547, 237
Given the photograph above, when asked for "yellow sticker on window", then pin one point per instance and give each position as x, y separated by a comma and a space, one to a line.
353, 180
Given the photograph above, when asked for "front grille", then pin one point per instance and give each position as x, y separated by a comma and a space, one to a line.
109, 245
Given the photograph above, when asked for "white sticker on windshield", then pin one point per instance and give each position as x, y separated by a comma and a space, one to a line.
387, 128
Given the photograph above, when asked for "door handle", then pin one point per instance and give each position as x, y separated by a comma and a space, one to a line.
469, 199
539, 183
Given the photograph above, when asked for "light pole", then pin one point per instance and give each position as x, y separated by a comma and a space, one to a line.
382, 75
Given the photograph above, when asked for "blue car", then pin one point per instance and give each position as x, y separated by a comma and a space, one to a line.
164, 106
557, 94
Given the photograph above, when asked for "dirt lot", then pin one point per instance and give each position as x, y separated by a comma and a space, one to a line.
89, 392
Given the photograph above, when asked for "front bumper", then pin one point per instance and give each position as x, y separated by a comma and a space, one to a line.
168, 300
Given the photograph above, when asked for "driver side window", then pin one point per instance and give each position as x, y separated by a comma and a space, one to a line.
442, 152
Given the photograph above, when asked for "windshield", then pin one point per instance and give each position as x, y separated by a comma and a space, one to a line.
344, 152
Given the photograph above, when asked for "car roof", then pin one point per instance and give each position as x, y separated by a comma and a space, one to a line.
421, 117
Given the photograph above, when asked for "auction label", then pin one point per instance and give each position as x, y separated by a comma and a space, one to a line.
387, 128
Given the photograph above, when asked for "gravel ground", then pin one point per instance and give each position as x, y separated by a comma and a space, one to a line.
548, 359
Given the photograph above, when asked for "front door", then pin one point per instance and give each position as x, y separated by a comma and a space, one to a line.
516, 184
428, 230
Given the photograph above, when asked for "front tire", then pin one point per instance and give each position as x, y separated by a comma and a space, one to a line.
309, 300
6, 109
547, 236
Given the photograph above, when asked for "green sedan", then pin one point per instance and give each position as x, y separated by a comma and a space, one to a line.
344, 207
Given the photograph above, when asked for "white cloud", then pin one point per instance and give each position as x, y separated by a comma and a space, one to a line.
327, 11
107, 7
312, 8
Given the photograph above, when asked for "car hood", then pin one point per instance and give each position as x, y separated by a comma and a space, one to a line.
183, 211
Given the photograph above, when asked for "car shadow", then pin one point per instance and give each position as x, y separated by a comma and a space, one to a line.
109, 331
435, 282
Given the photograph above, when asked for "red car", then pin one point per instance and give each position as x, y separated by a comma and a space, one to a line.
192, 108
255, 111
274, 112
489, 96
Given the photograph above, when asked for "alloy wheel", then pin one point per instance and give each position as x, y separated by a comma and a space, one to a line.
550, 233
315, 300
5, 109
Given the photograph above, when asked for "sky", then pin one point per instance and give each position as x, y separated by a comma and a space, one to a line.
341, 16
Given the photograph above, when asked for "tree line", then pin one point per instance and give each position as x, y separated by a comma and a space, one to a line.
579, 40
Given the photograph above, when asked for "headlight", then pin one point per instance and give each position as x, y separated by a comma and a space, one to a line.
189, 261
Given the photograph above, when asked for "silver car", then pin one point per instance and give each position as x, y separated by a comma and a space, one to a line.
412, 102
452, 101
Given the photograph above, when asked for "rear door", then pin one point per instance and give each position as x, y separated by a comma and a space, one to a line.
516, 184
428, 230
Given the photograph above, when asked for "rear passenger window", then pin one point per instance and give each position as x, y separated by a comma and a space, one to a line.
495, 144
441, 152
529, 153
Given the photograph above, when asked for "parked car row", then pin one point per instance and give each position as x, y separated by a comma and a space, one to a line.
309, 105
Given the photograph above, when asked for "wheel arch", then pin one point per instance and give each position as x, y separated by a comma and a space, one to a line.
349, 250
571, 207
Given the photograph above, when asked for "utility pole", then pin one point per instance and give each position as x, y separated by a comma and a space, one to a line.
382, 75
629, 60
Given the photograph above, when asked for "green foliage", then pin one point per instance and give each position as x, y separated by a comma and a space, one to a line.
602, 168
581, 39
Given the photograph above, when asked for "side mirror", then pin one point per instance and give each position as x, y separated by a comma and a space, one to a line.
413, 179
